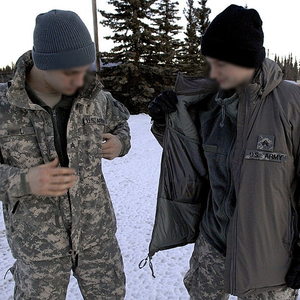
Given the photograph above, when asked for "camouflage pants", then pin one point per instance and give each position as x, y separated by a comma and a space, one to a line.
205, 278
99, 273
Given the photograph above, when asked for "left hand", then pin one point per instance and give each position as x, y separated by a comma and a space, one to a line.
112, 146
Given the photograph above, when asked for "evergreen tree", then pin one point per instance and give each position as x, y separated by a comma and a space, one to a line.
295, 71
202, 15
288, 66
132, 33
167, 29
6, 73
190, 54
193, 62
135, 39
203, 22
167, 44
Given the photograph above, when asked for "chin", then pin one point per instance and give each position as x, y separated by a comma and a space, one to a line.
69, 92
226, 86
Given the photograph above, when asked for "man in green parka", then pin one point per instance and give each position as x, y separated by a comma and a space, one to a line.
244, 172
56, 125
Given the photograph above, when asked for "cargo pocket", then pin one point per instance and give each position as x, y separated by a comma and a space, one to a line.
16, 146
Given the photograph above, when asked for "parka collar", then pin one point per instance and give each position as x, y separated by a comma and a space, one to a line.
17, 94
267, 78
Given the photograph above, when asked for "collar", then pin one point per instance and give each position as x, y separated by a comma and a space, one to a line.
18, 96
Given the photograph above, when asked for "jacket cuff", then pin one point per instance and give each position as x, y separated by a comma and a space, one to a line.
123, 150
19, 185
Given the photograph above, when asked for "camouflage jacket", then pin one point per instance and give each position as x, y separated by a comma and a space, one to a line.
34, 225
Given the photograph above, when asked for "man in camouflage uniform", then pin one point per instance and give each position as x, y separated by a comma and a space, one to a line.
56, 125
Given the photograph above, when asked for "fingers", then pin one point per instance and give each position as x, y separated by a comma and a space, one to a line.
52, 164
107, 136
61, 171
49, 180
108, 153
61, 187
63, 179
58, 186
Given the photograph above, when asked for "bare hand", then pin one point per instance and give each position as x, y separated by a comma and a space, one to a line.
48, 180
112, 146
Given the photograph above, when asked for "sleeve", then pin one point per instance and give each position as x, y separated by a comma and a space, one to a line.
13, 182
116, 118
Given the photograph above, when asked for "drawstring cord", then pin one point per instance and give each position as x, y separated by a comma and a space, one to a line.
223, 116
143, 263
6, 273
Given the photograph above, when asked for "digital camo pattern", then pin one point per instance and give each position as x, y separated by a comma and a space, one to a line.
205, 278
99, 274
36, 226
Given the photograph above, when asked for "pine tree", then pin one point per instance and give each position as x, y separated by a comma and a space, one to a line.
166, 23
295, 71
190, 54
135, 39
289, 68
197, 23
167, 44
6, 73
202, 15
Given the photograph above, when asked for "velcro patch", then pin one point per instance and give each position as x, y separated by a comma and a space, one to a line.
92, 120
266, 142
265, 156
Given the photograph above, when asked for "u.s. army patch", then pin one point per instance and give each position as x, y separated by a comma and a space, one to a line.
266, 142
266, 156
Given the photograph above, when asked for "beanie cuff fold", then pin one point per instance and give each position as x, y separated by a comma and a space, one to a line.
248, 58
63, 60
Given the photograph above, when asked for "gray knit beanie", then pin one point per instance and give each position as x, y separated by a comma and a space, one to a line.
61, 41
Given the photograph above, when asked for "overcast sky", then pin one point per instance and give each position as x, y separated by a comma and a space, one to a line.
17, 21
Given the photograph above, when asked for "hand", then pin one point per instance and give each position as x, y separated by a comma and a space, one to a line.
112, 146
49, 180
163, 104
293, 275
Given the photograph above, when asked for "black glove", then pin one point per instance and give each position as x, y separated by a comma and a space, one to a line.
163, 104
292, 277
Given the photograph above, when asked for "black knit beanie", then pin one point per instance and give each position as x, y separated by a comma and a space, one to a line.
235, 36
61, 41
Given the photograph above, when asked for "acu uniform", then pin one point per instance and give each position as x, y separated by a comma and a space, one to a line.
49, 236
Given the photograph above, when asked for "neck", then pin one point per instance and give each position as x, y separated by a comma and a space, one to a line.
37, 81
44, 91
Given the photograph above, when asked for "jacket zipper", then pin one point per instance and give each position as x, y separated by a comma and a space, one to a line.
54, 115
229, 166
239, 168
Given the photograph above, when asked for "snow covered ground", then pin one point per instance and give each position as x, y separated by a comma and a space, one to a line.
132, 181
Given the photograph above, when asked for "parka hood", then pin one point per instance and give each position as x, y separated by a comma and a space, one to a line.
267, 78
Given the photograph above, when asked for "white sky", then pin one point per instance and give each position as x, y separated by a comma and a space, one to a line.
17, 21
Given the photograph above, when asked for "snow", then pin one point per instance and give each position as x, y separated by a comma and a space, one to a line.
132, 181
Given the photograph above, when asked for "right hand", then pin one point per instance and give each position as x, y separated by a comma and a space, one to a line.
49, 180
163, 104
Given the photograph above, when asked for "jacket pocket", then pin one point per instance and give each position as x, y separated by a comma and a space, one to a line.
36, 228
21, 150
